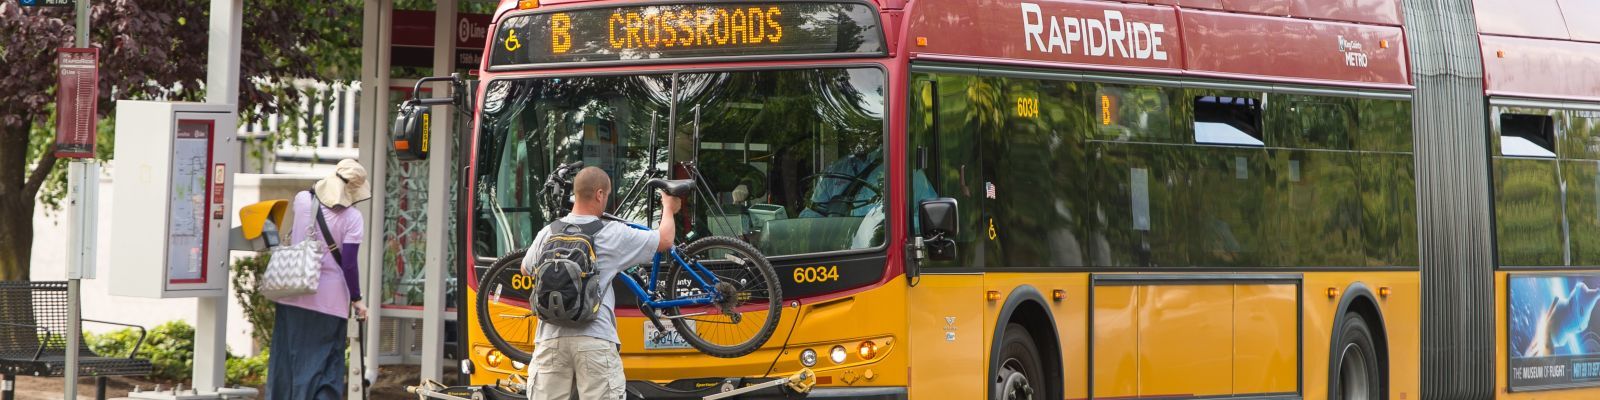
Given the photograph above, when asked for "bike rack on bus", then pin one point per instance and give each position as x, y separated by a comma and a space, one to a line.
800, 383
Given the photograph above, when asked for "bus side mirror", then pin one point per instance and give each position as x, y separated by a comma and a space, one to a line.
413, 122
411, 131
939, 221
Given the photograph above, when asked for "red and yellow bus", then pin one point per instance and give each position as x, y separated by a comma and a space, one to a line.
1073, 199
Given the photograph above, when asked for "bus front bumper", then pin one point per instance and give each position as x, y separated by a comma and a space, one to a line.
700, 388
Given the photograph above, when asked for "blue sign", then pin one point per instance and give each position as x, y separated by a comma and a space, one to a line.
1554, 339
46, 3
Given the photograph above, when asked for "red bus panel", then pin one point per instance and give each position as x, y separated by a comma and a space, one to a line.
1541, 68
1583, 19
1075, 32
1381, 12
1239, 44
1149, 38
1531, 18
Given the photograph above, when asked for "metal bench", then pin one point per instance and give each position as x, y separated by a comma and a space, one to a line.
33, 341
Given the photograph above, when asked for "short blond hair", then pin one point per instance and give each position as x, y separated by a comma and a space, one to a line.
589, 180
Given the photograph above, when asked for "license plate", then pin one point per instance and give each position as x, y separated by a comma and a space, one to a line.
655, 339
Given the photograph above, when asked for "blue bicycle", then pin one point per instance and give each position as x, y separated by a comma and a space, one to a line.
719, 293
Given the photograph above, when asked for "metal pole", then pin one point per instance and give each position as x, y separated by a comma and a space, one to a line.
74, 313
83, 23
73, 334
83, 207
375, 89
439, 178
222, 87
371, 25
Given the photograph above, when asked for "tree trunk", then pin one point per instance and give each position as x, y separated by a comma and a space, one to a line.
16, 239
16, 203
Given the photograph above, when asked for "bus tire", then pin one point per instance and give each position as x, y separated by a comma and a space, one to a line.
1358, 373
1019, 374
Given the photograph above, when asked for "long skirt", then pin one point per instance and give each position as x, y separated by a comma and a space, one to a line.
308, 358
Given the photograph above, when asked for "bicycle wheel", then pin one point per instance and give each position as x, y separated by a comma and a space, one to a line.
502, 307
752, 298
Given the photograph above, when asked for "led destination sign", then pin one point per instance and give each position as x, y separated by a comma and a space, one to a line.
686, 31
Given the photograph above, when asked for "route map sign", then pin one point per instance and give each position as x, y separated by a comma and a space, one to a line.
77, 101
187, 227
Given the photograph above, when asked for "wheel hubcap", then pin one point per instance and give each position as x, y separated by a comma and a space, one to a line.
1013, 383
1353, 373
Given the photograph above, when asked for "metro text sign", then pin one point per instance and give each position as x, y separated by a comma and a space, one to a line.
46, 3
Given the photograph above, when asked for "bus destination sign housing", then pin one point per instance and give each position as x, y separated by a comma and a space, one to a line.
677, 31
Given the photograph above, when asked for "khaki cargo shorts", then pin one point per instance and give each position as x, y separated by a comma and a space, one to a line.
578, 365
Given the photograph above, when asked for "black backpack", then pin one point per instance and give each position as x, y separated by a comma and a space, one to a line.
567, 288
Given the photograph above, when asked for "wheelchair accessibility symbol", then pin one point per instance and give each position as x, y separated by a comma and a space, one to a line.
512, 44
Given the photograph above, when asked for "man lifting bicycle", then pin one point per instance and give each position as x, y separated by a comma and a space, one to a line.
578, 352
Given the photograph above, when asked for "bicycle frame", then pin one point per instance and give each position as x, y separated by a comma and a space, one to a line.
699, 273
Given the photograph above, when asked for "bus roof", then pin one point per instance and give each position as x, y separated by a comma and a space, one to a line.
1540, 48
1349, 43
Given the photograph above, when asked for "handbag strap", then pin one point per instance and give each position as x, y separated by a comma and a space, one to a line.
327, 235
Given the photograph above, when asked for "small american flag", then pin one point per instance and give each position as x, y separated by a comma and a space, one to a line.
988, 189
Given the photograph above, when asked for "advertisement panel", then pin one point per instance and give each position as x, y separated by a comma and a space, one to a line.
1553, 341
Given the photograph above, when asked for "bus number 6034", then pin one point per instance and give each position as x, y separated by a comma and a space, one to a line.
816, 274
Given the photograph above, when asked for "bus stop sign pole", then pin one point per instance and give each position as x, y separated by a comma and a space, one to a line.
76, 116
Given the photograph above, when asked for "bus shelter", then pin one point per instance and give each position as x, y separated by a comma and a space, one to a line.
408, 262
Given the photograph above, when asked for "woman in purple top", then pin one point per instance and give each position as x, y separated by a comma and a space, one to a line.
308, 334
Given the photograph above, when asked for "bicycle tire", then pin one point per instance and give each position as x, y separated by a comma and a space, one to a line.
510, 263
763, 271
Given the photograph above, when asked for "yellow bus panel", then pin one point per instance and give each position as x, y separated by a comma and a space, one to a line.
1266, 321
1185, 340
949, 353
1116, 342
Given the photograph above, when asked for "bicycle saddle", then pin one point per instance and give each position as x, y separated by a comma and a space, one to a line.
674, 188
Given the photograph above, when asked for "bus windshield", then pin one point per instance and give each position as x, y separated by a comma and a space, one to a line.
788, 160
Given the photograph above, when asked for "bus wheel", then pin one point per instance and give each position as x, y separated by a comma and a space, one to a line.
1359, 375
1019, 367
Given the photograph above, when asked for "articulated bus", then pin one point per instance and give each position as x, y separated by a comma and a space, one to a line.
1356, 199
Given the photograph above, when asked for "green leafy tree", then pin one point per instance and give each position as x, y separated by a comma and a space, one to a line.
148, 50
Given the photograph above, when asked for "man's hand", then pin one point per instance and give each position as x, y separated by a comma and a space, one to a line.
668, 228
360, 309
669, 204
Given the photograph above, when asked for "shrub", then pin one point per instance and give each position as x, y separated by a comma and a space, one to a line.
169, 347
248, 371
258, 310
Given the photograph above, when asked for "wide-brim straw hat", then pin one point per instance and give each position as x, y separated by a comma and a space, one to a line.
346, 187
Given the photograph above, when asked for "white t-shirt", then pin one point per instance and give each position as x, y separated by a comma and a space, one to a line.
617, 246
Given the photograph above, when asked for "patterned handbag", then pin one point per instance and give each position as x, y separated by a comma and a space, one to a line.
296, 270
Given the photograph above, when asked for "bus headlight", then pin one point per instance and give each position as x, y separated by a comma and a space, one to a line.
808, 358
837, 354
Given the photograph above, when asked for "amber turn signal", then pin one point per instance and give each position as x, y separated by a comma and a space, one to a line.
1383, 291
527, 4
1058, 294
867, 350
494, 358
992, 295
1333, 292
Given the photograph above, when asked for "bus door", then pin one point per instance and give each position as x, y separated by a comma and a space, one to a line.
946, 301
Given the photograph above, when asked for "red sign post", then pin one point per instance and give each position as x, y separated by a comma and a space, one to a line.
77, 92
